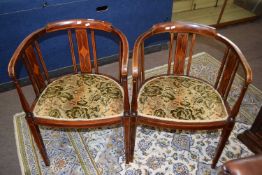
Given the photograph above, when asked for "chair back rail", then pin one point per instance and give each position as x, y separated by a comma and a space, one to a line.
185, 35
30, 53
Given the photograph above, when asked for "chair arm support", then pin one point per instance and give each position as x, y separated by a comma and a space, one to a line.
124, 62
236, 106
134, 95
124, 83
24, 102
135, 75
136, 54
124, 52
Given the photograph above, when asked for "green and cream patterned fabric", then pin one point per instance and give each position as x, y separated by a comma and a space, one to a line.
81, 97
179, 98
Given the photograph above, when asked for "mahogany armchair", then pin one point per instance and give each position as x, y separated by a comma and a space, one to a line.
178, 100
83, 98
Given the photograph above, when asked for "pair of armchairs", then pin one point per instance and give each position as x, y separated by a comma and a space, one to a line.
86, 98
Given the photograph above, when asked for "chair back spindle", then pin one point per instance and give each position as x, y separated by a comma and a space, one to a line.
71, 44
182, 41
34, 68
40, 56
221, 67
120, 61
228, 73
193, 39
142, 70
94, 51
83, 51
30, 74
180, 53
170, 58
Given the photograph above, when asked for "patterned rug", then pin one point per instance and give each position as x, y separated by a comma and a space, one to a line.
157, 151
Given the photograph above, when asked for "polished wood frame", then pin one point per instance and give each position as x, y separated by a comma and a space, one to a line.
30, 53
182, 31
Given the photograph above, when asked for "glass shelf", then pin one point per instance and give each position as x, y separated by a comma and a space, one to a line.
215, 12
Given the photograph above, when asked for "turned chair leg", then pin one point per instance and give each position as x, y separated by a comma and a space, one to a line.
38, 139
221, 144
132, 137
126, 124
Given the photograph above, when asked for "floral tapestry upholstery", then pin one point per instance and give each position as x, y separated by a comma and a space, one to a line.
180, 98
81, 97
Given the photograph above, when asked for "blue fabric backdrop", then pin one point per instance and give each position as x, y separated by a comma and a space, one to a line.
18, 18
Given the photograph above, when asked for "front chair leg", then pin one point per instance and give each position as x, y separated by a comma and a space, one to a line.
126, 124
132, 137
221, 144
38, 139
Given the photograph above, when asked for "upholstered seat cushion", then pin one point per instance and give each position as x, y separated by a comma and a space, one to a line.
180, 98
81, 96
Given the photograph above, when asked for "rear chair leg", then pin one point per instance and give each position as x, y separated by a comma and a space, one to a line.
221, 144
38, 139
126, 123
132, 137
